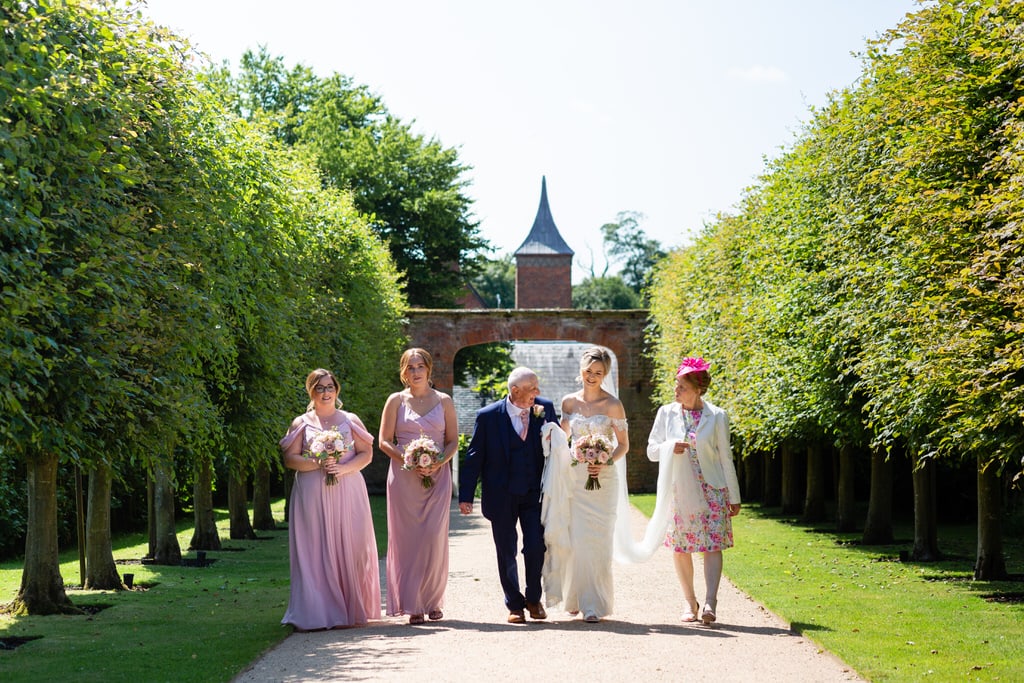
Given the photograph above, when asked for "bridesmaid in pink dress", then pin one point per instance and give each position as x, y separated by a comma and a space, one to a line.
334, 567
417, 564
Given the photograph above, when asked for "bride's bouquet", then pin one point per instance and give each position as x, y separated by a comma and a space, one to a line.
326, 444
592, 449
421, 452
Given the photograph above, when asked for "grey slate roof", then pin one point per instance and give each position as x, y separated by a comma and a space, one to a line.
544, 238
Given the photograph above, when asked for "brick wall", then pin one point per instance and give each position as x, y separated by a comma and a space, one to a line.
544, 281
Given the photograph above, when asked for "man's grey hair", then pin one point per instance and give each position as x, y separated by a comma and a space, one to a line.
519, 375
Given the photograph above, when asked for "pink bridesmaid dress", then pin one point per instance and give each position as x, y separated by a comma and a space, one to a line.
335, 575
417, 561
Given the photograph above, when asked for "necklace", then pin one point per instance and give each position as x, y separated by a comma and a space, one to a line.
418, 403
326, 421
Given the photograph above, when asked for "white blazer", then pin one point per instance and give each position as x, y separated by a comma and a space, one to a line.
714, 452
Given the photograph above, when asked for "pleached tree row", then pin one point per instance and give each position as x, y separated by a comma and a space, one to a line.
866, 298
169, 273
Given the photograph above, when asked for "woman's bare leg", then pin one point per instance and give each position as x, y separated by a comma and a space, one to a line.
684, 570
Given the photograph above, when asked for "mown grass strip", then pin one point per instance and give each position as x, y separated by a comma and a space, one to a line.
182, 624
890, 620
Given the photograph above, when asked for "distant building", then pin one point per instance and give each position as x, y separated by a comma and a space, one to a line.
544, 263
543, 280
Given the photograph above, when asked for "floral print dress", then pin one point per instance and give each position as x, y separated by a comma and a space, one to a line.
700, 528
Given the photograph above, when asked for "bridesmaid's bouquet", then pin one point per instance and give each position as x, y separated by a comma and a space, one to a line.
326, 444
592, 449
421, 452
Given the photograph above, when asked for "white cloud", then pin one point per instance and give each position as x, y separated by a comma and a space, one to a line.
758, 74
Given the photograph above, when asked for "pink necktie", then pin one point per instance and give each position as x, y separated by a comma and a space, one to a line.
524, 423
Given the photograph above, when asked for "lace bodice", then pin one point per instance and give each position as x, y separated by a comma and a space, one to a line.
595, 424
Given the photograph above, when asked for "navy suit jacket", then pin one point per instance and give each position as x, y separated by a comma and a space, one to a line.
487, 458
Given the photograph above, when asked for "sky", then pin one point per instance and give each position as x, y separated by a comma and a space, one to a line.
668, 108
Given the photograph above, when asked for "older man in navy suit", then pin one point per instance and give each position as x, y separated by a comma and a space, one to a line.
505, 453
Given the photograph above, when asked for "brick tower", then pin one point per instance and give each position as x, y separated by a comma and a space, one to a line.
544, 263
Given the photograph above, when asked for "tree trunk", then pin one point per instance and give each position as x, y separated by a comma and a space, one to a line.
42, 587
289, 482
878, 527
151, 516
205, 536
926, 521
817, 484
168, 550
846, 500
238, 509
792, 483
262, 517
990, 565
100, 568
80, 524
753, 480
772, 480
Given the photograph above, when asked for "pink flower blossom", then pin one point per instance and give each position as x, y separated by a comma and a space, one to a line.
421, 452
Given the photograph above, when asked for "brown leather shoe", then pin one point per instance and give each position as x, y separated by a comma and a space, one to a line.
516, 616
536, 610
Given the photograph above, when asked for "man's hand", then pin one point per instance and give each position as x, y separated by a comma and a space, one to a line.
465, 508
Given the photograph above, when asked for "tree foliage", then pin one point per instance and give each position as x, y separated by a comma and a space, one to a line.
495, 282
411, 187
868, 290
168, 274
604, 293
626, 244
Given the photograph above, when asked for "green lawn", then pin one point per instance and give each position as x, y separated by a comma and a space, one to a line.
182, 624
889, 620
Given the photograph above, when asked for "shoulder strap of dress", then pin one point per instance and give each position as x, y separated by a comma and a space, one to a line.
294, 432
357, 432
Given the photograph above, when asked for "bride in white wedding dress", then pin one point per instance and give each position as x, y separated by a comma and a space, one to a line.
580, 516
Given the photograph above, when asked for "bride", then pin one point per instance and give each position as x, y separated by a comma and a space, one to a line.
580, 499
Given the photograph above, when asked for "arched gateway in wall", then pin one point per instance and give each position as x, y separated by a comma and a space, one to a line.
444, 332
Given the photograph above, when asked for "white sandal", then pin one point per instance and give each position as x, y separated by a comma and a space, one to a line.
690, 615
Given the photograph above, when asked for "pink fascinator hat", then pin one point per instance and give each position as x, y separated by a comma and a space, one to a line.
692, 364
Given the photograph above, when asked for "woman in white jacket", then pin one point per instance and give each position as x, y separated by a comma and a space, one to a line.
694, 435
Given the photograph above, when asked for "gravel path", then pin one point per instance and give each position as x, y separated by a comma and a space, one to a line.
644, 640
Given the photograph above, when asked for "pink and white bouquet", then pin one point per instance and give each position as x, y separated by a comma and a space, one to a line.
326, 444
421, 452
592, 449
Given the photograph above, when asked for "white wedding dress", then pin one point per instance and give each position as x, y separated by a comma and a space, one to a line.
579, 524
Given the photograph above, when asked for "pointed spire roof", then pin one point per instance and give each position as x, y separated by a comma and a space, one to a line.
544, 237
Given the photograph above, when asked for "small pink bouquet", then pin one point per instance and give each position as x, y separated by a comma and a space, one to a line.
592, 449
326, 444
421, 452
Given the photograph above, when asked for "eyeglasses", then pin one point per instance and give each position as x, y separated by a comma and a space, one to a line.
323, 388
